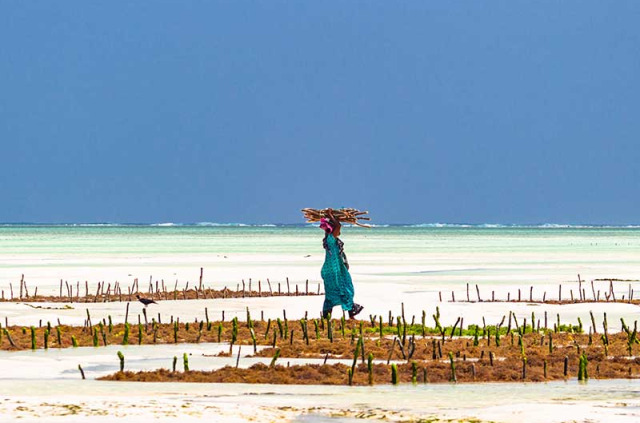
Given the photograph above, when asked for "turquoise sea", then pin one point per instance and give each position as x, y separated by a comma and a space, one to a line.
265, 239
419, 255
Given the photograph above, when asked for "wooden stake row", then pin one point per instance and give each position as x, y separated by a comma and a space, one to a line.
582, 296
106, 292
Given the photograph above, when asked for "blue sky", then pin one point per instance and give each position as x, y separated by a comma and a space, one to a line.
230, 111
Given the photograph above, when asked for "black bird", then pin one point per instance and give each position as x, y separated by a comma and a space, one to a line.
145, 301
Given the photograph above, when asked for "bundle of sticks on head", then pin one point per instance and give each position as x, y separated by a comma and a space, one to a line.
345, 215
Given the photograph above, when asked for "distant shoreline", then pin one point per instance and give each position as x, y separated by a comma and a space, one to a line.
308, 225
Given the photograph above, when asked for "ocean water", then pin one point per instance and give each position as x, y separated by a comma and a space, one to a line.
266, 239
419, 256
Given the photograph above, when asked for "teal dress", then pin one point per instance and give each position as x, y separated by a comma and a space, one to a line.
338, 287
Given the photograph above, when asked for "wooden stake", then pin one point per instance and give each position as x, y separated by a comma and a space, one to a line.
560, 293
238, 359
580, 288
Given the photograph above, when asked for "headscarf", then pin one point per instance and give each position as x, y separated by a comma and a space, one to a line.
325, 225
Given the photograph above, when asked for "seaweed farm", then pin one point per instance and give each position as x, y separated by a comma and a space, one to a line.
390, 350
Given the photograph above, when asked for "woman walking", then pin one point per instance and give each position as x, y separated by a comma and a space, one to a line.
338, 287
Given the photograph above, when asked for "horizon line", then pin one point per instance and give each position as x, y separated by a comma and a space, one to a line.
304, 224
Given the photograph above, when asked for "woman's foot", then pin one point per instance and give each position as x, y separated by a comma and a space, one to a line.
355, 310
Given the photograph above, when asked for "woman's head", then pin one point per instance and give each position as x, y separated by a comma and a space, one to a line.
326, 225
330, 227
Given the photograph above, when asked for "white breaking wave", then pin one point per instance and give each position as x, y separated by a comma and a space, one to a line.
516, 226
315, 225
437, 225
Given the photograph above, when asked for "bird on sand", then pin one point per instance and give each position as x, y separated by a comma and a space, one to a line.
145, 301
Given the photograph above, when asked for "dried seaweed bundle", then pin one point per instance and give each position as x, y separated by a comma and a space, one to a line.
345, 215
